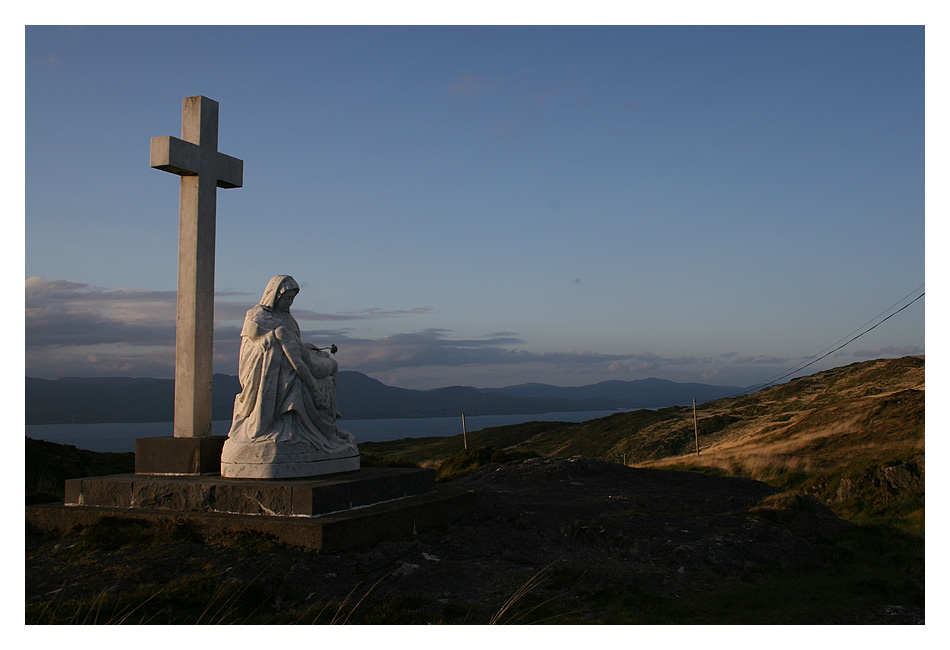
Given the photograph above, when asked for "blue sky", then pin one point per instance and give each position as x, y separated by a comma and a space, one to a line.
488, 205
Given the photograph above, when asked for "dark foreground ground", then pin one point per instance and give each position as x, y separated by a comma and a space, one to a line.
553, 540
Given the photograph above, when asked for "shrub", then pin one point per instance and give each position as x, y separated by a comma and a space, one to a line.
475, 458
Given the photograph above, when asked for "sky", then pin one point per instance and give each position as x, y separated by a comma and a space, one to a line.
488, 205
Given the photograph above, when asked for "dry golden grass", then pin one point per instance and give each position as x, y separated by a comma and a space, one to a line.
816, 427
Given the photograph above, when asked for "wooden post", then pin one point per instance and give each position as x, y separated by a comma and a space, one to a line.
464, 438
696, 426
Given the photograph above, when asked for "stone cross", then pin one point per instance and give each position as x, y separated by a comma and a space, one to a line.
202, 168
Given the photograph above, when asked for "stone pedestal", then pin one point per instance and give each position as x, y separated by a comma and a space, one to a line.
287, 498
291, 459
326, 514
168, 456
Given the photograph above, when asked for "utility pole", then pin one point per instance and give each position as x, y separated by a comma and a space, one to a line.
464, 438
696, 426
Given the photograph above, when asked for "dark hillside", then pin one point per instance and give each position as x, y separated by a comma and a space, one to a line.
74, 400
48, 465
568, 540
553, 540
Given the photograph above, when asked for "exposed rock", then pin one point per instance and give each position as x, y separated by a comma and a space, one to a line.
906, 476
886, 482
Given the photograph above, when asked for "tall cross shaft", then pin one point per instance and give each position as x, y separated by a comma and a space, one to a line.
203, 169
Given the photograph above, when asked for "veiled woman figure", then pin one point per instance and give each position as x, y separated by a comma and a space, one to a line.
284, 422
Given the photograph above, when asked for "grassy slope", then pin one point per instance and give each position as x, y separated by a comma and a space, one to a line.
815, 434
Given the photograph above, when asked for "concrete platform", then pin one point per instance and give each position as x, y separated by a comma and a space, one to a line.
327, 533
273, 497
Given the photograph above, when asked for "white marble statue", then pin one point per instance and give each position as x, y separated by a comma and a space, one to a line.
284, 423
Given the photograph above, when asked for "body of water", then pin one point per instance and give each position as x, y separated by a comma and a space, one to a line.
122, 436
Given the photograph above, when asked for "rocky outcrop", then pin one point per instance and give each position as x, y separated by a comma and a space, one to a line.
906, 477
886, 483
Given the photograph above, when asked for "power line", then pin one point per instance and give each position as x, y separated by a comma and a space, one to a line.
834, 347
807, 362
848, 341
874, 319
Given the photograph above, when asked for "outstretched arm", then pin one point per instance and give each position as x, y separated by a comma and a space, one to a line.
294, 352
320, 362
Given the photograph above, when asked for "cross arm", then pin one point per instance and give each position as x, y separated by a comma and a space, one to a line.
184, 158
229, 172
176, 156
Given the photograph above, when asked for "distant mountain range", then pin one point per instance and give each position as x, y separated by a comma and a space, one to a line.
125, 399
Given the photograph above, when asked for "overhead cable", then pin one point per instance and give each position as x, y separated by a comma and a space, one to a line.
834, 347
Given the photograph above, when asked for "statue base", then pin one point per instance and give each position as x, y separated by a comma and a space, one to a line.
297, 469
327, 514
292, 459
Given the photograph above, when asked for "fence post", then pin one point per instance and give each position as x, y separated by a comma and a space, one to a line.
696, 426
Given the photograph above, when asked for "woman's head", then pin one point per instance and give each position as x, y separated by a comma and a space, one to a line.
278, 287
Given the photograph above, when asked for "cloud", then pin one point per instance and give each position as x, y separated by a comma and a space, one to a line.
48, 61
49, 327
434, 358
436, 348
536, 96
429, 347
888, 351
735, 357
236, 311
61, 313
140, 305
77, 329
101, 361
470, 85
376, 312
39, 290
73, 328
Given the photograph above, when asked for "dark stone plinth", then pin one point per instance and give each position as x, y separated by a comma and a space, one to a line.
324, 513
277, 497
327, 533
179, 456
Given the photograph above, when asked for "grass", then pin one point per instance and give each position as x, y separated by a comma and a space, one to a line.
509, 613
865, 564
48, 465
475, 458
113, 533
189, 600
435, 449
808, 437
866, 568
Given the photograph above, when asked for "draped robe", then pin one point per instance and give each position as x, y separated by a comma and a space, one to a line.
278, 418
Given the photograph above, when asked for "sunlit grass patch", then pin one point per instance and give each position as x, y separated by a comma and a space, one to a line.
475, 458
